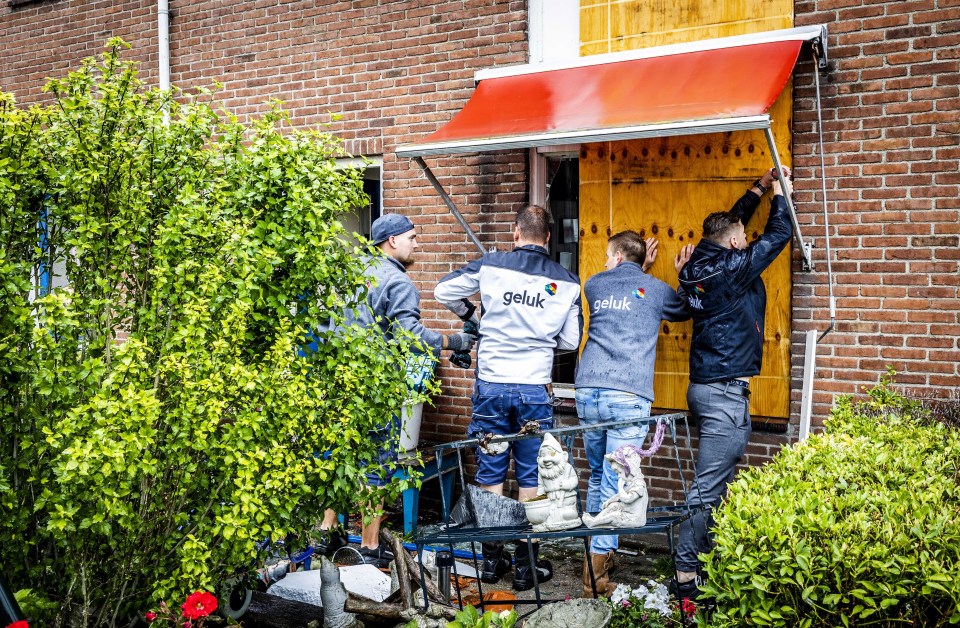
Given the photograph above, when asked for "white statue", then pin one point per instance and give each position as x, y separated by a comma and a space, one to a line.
334, 596
627, 508
555, 507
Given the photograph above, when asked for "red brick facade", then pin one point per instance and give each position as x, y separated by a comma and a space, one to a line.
398, 70
891, 124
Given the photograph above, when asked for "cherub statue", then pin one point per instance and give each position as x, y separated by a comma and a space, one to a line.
557, 508
627, 508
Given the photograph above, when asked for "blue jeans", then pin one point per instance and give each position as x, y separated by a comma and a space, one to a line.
603, 405
723, 416
503, 409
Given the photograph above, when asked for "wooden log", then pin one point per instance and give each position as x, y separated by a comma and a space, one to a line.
400, 564
270, 611
363, 606
413, 568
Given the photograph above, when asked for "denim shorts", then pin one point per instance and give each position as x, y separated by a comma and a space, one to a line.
386, 462
504, 409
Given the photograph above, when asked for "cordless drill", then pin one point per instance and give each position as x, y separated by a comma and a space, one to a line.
462, 358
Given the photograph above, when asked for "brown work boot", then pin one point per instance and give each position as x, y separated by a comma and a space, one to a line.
602, 567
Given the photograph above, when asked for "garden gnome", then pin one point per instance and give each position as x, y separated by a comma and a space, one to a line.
558, 481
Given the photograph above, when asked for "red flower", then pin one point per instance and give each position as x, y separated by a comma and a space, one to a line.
150, 616
199, 604
20, 623
689, 608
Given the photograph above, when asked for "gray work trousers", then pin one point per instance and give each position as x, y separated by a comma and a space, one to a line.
723, 416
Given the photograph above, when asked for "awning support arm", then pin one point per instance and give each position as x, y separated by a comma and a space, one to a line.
823, 199
805, 248
449, 203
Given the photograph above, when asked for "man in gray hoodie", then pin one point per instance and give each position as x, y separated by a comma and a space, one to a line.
393, 301
614, 379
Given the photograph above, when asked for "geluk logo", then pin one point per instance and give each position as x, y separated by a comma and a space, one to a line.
640, 293
550, 288
522, 298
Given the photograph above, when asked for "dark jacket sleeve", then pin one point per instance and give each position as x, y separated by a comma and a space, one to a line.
746, 206
776, 235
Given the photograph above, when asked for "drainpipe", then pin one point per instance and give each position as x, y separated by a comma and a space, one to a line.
163, 36
810, 354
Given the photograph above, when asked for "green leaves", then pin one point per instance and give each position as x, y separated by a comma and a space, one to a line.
858, 525
469, 617
159, 413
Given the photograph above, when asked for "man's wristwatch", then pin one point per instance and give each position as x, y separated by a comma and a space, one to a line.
759, 185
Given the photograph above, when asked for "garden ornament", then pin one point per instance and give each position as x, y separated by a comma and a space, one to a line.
627, 508
555, 507
334, 597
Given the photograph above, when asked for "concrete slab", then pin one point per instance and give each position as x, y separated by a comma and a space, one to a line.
304, 586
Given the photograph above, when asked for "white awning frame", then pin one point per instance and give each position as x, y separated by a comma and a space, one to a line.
687, 127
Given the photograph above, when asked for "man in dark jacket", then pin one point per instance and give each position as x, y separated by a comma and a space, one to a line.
722, 287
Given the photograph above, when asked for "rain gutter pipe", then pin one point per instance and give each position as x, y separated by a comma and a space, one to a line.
163, 37
810, 353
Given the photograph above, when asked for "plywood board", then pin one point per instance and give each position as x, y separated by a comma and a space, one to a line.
665, 187
617, 25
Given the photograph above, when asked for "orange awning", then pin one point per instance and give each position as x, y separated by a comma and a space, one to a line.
712, 86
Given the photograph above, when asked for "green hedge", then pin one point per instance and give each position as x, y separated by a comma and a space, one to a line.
858, 526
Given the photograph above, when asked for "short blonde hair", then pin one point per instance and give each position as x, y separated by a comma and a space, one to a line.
630, 245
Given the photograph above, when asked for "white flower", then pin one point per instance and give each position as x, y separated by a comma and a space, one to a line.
621, 593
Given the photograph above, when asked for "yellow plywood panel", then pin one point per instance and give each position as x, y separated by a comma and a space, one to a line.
617, 25
664, 188
594, 215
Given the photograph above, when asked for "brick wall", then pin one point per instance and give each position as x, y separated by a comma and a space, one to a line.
393, 71
891, 125
396, 71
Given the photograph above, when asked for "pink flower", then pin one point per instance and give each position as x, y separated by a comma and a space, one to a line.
20, 623
150, 616
199, 604
625, 603
688, 607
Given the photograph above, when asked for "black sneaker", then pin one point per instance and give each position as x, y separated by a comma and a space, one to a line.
523, 576
379, 557
496, 563
330, 541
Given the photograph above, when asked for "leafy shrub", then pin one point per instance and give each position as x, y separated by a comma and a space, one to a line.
857, 526
141, 470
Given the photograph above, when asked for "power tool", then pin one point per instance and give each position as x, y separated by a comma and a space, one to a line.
462, 358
